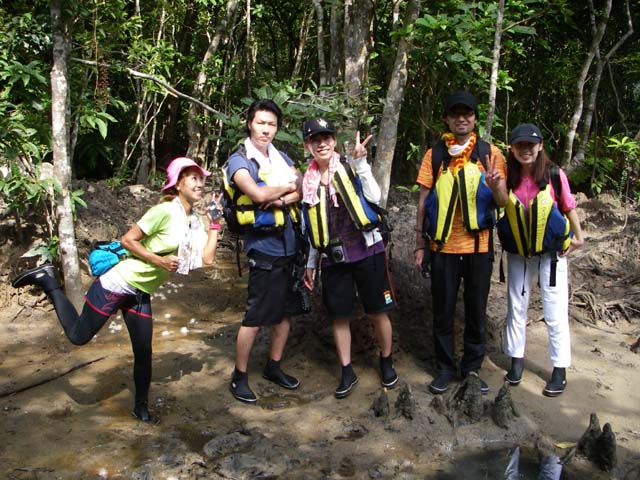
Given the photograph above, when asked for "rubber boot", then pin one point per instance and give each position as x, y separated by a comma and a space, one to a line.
514, 375
557, 383
387, 372
348, 381
273, 372
43, 276
141, 411
239, 387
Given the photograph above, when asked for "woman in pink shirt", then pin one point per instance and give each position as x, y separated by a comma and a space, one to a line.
531, 179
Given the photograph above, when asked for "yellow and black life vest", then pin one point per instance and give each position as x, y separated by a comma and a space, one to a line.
468, 186
240, 212
348, 185
544, 229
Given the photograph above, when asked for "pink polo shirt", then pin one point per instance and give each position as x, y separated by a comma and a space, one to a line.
528, 189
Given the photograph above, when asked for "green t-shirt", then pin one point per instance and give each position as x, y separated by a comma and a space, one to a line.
164, 226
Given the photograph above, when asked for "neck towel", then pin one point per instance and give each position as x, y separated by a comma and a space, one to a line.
274, 170
189, 249
311, 181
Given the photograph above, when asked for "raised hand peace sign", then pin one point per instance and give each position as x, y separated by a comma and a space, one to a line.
360, 149
492, 175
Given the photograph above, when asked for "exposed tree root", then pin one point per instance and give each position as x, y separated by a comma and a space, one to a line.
50, 379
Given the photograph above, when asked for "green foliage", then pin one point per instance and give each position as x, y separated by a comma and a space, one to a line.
119, 180
46, 250
24, 89
156, 179
410, 188
96, 120
543, 47
627, 152
618, 172
297, 105
24, 193
76, 199
594, 174
458, 40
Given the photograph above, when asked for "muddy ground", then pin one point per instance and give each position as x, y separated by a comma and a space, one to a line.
65, 410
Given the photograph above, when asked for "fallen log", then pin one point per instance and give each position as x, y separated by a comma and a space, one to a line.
50, 379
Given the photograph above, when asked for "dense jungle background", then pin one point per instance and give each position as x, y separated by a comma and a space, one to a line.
97, 97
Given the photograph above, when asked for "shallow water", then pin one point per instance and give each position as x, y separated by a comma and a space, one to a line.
490, 465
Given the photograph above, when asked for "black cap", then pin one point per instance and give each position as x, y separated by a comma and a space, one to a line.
461, 98
317, 125
525, 132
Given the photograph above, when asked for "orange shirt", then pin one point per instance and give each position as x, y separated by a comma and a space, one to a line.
460, 241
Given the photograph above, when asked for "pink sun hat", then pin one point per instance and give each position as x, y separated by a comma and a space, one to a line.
176, 166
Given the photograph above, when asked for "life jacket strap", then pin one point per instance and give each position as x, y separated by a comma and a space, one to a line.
553, 268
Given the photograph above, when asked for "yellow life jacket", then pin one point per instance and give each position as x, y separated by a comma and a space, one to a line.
240, 211
544, 229
362, 213
469, 187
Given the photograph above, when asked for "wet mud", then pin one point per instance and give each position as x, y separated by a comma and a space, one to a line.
65, 410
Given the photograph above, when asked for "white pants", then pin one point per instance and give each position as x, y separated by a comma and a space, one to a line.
555, 306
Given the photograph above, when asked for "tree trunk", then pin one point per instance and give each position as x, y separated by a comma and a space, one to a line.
198, 121
337, 54
252, 50
388, 134
304, 35
595, 84
495, 67
580, 83
60, 128
322, 65
358, 16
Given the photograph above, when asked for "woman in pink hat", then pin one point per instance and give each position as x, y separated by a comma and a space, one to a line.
169, 237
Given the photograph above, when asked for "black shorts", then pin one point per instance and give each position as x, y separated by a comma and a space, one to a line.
270, 287
370, 276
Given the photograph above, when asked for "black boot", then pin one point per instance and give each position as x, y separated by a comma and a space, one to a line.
514, 375
141, 411
43, 276
274, 373
557, 383
388, 373
239, 387
347, 382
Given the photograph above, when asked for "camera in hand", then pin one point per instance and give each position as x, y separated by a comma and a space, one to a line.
336, 251
214, 210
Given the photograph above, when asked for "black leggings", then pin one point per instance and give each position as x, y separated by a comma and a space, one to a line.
99, 305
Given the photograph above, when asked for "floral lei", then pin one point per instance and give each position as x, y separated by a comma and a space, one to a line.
458, 157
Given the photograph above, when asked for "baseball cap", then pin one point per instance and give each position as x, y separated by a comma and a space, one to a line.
525, 132
317, 125
176, 166
461, 98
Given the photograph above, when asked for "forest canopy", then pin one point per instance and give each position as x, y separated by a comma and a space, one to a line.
148, 81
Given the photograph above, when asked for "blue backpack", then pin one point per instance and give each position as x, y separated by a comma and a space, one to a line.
105, 255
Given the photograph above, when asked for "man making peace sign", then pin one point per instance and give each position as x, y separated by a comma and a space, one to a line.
462, 181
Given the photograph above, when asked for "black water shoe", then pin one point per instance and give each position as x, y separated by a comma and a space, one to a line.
239, 387
387, 372
440, 384
43, 276
347, 382
484, 388
557, 383
514, 375
141, 412
274, 373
